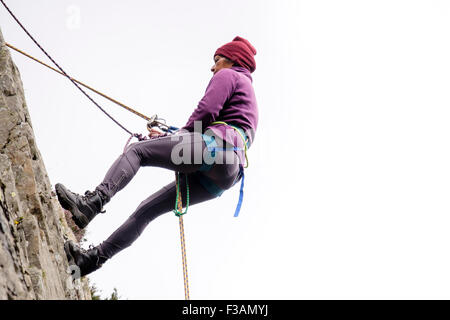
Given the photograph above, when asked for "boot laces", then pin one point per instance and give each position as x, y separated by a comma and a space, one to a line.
97, 262
97, 256
83, 250
89, 194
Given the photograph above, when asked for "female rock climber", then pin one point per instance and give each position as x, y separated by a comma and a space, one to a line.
230, 100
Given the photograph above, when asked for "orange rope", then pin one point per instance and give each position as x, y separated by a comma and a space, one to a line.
81, 83
183, 244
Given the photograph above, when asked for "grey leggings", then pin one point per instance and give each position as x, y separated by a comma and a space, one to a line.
157, 153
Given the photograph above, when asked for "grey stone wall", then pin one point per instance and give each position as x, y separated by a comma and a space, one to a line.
32, 223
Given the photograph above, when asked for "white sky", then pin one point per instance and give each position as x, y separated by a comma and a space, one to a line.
347, 192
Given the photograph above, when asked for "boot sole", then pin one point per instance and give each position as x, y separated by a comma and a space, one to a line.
69, 256
77, 216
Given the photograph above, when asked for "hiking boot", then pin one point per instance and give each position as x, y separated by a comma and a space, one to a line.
83, 208
83, 261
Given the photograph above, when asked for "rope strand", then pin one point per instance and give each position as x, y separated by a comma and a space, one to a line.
179, 212
80, 83
62, 70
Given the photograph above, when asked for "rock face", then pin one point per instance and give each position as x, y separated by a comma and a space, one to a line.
32, 223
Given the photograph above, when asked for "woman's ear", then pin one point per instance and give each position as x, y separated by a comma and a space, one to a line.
230, 61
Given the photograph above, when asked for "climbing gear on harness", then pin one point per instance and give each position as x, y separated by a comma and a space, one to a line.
241, 134
83, 208
179, 212
86, 260
160, 123
210, 185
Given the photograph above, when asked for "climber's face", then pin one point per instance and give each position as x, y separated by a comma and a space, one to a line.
220, 63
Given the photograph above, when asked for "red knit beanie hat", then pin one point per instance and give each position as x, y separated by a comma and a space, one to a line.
239, 51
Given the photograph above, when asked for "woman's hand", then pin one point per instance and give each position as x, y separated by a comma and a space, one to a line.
154, 133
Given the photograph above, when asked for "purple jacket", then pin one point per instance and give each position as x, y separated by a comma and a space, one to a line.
229, 97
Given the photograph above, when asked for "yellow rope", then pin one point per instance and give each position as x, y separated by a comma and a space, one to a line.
80, 83
183, 245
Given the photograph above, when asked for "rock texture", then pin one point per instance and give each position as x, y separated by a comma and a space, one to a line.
32, 223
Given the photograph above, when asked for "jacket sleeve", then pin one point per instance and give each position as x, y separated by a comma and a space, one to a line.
220, 88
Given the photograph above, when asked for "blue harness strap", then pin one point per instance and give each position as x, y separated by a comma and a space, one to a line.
212, 188
211, 144
209, 185
241, 191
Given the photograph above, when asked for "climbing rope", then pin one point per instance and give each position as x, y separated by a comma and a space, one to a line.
179, 212
153, 121
80, 83
63, 72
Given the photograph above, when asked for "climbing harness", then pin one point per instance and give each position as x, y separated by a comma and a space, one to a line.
241, 134
213, 147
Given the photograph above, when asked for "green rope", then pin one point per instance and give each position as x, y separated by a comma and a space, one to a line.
176, 211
